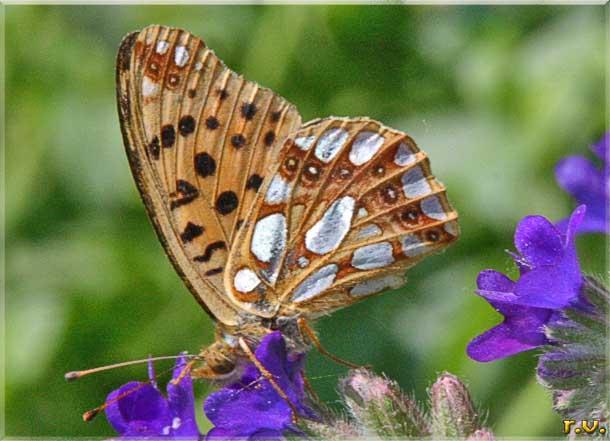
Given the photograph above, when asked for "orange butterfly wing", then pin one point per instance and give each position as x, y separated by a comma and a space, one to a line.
349, 206
199, 139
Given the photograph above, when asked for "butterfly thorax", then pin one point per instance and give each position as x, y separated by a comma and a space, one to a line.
223, 360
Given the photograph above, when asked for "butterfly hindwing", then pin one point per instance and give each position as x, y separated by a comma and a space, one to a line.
199, 139
348, 207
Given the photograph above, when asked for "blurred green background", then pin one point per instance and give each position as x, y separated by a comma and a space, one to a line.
495, 95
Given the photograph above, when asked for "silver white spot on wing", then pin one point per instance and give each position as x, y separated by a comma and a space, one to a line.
373, 256
198, 66
362, 213
330, 143
451, 228
432, 208
368, 231
316, 283
328, 232
149, 87
181, 56
269, 237
305, 142
303, 261
278, 191
364, 147
162, 47
379, 284
412, 246
404, 156
414, 183
246, 280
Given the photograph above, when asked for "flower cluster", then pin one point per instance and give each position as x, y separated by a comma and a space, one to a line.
552, 304
550, 279
248, 409
140, 410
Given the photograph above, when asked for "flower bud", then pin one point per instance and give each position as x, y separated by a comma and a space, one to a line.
380, 407
482, 435
453, 412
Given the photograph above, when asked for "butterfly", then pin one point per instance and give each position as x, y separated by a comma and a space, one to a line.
270, 222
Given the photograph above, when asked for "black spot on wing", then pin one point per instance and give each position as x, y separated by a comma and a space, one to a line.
168, 136
214, 271
154, 148
186, 125
191, 231
254, 182
226, 202
238, 140
187, 191
212, 123
209, 250
204, 165
248, 110
269, 138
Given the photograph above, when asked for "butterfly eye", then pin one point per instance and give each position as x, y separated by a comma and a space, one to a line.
432, 235
389, 194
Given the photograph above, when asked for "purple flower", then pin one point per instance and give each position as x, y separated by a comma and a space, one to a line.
145, 412
251, 408
550, 280
589, 185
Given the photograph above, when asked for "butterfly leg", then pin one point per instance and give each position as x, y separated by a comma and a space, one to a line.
305, 328
187, 368
269, 377
310, 390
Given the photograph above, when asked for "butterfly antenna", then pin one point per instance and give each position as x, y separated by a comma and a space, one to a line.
90, 414
75, 375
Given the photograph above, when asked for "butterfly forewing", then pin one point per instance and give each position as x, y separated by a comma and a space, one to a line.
200, 139
349, 205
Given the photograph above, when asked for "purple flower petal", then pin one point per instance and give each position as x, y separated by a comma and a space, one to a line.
251, 407
574, 222
492, 280
602, 147
580, 178
145, 412
546, 287
142, 407
538, 241
589, 185
182, 402
520, 331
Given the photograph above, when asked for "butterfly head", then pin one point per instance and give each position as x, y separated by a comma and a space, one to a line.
218, 362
